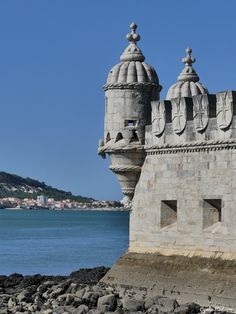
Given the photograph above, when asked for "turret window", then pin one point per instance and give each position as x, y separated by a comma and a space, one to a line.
119, 137
108, 138
134, 137
131, 123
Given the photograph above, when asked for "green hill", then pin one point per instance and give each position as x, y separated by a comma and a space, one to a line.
12, 185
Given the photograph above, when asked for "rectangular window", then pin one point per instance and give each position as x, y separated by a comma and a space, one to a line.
211, 212
131, 123
168, 212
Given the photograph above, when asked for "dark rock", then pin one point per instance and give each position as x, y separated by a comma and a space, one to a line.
182, 309
193, 308
89, 275
13, 280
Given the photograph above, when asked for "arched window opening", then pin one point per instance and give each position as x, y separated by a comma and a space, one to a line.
119, 137
134, 137
108, 138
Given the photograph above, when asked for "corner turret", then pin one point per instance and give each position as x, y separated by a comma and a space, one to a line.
131, 86
188, 81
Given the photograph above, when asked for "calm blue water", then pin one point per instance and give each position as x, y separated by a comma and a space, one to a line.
59, 242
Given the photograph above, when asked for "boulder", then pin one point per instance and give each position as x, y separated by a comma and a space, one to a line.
90, 298
150, 301
79, 293
152, 310
48, 311
107, 303
182, 309
130, 303
82, 309
166, 305
69, 299
11, 302
58, 291
24, 296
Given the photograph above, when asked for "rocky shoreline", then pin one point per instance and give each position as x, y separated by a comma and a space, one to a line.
81, 293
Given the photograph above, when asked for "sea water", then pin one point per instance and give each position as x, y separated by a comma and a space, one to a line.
59, 242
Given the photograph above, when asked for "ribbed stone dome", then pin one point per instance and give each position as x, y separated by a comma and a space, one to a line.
132, 68
188, 81
132, 72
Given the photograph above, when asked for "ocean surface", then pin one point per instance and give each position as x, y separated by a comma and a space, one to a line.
59, 242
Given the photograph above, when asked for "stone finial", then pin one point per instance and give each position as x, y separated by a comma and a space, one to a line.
133, 37
188, 74
188, 60
188, 81
132, 52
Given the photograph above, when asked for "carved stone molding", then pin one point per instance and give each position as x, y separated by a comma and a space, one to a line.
200, 111
224, 109
191, 147
136, 85
158, 117
179, 114
113, 148
125, 168
128, 191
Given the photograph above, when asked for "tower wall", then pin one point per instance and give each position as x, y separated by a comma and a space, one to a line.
128, 110
182, 223
185, 196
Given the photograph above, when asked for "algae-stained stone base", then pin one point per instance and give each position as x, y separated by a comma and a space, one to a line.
206, 281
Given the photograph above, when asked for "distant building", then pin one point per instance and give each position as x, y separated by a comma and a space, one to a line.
42, 200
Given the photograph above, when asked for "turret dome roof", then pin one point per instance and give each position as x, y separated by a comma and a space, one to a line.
132, 68
188, 81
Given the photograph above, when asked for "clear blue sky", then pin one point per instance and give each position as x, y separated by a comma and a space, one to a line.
54, 59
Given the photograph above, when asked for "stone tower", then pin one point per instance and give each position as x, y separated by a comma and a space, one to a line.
130, 88
182, 240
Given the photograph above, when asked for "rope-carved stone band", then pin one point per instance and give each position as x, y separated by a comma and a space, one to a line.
128, 191
190, 147
125, 168
120, 149
135, 85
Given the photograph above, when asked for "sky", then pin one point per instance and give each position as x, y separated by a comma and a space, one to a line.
54, 59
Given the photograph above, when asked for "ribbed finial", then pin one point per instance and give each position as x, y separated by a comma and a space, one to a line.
133, 37
132, 52
188, 73
188, 60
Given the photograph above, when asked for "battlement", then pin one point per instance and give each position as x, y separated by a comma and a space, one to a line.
197, 121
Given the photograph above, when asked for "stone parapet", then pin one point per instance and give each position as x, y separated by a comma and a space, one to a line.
201, 118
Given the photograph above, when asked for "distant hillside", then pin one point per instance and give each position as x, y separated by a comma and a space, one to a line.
12, 185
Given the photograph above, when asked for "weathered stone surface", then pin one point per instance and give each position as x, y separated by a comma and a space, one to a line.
150, 301
82, 309
158, 117
186, 279
107, 303
130, 303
